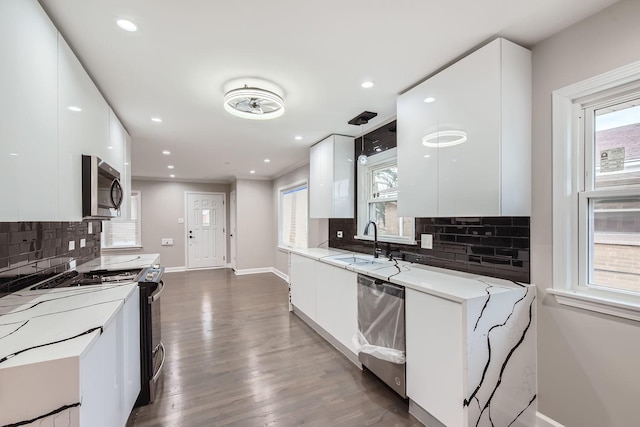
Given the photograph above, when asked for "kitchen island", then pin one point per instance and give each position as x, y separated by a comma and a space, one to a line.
470, 339
71, 356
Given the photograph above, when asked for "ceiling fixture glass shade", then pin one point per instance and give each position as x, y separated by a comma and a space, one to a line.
253, 103
445, 138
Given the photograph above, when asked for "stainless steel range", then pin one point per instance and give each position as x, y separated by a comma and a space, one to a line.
150, 285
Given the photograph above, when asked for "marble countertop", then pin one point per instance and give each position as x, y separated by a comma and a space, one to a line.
449, 284
120, 262
49, 324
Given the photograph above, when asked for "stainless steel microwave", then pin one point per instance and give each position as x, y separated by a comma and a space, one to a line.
101, 190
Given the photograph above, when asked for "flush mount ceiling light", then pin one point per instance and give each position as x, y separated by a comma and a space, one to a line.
254, 103
445, 138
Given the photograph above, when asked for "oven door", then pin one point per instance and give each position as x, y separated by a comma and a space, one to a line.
158, 352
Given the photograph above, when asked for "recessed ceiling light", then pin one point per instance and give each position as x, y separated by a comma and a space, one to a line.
127, 25
298, 138
368, 84
110, 148
14, 154
429, 99
126, 163
267, 160
156, 119
252, 172
166, 152
172, 176
427, 156
74, 108
170, 167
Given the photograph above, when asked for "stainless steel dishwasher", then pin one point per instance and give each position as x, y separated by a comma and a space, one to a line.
381, 326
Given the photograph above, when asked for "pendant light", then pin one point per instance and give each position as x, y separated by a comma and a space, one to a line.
362, 158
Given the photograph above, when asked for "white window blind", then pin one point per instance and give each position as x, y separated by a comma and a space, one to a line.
293, 217
124, 233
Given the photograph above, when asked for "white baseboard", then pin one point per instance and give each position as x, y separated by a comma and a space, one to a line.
253, 271
174, 269
273, 270
280, 274
544, 421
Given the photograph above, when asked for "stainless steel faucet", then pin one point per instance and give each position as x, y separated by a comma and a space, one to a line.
376, 251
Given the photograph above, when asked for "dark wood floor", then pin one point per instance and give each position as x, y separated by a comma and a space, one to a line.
237, 357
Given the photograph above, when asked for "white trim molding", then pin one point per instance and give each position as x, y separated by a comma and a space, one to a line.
568, 174
544, 421
175, 269
273, 270
280, 274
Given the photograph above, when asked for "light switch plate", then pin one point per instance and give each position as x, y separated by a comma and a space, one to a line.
72, 245
180, 220
167, 241
426, 241
339, 234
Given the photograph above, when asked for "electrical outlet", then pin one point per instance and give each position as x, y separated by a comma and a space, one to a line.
167, 241
426, 241
72, 245
83, 243
180, 220
90, 228
339, 234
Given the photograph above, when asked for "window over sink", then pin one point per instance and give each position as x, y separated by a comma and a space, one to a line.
378, 200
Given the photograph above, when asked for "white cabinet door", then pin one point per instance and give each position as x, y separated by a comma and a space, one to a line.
469, 107
435, 356
331, 178
131, 353
303, 285
320, 171
337, 303
417, 127
28, 113
101, 381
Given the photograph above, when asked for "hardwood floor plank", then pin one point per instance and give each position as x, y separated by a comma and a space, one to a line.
236, 357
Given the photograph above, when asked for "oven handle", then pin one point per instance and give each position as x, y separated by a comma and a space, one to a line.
153, 298
157, 374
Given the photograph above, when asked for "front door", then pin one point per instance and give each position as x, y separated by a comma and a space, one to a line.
232, 228
205, 230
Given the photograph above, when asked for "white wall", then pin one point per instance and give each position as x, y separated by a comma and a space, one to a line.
254, 224
162, 205
318, 228
588, 364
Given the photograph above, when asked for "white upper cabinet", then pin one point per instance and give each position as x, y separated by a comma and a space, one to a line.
28, 113
331, 178
51, 113
467, 151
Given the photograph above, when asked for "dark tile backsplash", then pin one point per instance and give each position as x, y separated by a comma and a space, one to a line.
33, 251
490, 246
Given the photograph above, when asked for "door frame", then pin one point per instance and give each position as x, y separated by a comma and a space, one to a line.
186, 223
232, 229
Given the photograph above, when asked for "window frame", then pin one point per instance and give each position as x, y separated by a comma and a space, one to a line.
571, 193
298, 185
366, 197
138, 202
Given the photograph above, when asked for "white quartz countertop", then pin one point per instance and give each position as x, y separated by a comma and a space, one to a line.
49, 324
449, 284
120, 262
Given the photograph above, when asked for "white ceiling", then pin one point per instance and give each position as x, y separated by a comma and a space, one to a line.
177, 64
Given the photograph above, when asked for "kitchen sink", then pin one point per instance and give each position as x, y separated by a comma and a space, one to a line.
354, 260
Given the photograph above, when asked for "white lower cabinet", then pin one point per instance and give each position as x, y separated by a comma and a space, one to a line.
434, 356
110, 370
327, 295
303, 285
337, 303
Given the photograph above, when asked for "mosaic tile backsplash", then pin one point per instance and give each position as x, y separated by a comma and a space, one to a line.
490, 246
33, 251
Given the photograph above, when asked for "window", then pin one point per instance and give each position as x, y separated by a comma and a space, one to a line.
596, 193
378, 200
610, 201
121, 233
293, 216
